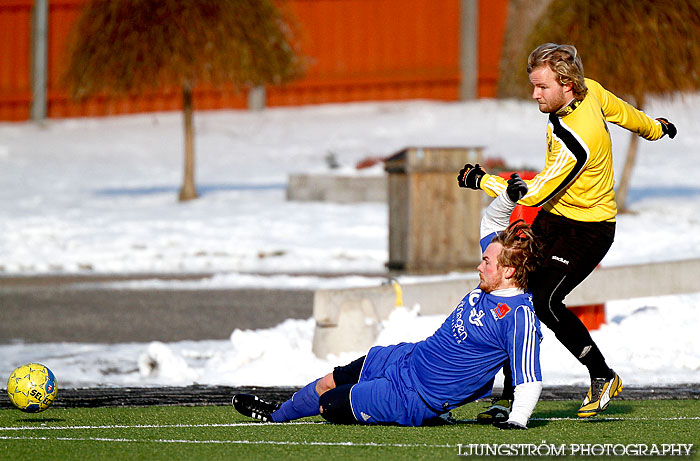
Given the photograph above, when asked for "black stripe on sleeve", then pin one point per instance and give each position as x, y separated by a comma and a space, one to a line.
574, 147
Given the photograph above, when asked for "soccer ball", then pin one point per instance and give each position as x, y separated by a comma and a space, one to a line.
32, 387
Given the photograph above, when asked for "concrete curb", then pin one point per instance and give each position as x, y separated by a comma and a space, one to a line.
347, 320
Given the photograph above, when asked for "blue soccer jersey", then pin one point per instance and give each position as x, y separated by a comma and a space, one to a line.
458, 363
409, 383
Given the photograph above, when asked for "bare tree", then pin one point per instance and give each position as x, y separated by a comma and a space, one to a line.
635, 48
125, 47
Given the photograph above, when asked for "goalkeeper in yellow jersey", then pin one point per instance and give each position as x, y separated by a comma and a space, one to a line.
576, 225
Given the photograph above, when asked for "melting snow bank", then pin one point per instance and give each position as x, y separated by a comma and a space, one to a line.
648, 341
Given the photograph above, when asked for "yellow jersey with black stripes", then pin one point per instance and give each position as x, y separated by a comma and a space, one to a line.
577, 180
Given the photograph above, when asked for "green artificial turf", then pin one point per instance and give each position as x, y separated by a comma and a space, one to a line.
205, 433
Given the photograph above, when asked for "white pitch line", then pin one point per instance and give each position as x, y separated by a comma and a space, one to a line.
644, 418
253, 424
156, 426
234, 442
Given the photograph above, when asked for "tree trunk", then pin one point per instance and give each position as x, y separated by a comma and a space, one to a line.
630, 159
623, 187
188, 191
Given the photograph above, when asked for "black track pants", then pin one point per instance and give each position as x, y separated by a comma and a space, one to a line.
571, 250
335, 403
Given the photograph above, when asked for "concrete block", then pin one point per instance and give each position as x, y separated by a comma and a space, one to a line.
349, 319
337, 188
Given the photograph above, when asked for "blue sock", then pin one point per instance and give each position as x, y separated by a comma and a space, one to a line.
303, 403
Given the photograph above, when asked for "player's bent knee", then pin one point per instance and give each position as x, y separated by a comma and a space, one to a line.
547, 310
335, 405
325, 384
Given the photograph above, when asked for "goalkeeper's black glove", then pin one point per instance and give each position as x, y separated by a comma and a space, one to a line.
470, 176
668, 127
509, 425
516, 188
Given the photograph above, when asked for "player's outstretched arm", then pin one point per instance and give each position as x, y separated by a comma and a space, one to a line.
497, 215
524, 350
622, 113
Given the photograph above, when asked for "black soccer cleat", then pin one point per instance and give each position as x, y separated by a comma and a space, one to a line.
498, 412
254, 407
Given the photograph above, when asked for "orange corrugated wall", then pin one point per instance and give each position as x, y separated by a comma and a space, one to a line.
359, 50
376, 50
15, 86
492, 28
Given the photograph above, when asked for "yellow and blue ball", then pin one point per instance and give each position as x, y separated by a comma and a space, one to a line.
32, 387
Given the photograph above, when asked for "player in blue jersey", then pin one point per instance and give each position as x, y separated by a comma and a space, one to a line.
416, 384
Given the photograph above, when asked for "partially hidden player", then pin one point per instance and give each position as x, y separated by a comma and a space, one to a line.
576, 225
416, 384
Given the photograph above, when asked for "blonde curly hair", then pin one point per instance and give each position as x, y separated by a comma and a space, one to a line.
564, 62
